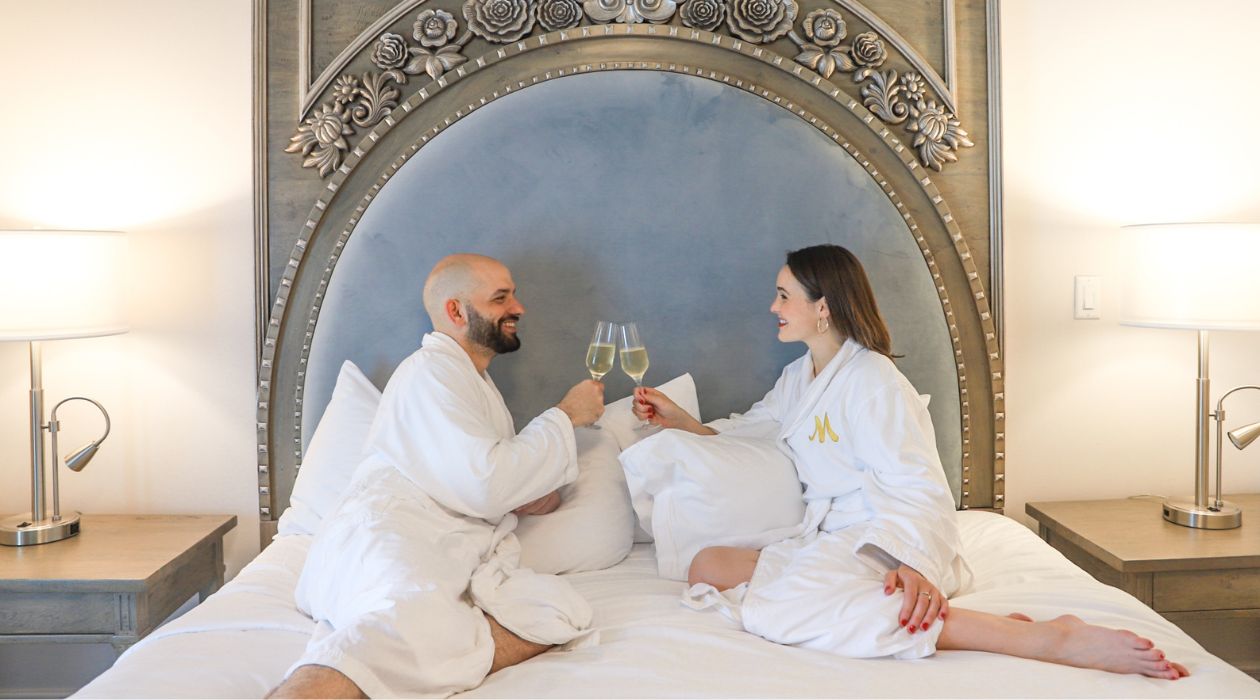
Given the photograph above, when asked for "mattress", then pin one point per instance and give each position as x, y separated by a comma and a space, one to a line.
240, 642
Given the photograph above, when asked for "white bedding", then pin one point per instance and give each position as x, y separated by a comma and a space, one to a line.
240, 642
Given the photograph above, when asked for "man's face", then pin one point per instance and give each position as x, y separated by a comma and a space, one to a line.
493, 312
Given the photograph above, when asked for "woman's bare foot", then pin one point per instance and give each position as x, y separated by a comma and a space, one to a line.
1076, 643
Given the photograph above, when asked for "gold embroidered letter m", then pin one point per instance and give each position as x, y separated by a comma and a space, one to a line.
822, 430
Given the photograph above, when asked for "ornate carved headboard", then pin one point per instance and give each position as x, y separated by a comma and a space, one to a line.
627, 158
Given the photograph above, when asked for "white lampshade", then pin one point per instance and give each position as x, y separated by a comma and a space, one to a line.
62, 284
1195, 276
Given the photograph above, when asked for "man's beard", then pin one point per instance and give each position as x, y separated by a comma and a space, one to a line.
490, 334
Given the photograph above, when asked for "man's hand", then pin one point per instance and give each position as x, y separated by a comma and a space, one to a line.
542, 506
584, 403
922, 604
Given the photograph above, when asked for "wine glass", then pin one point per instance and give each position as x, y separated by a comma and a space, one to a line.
603, 348
634, 357
601, 352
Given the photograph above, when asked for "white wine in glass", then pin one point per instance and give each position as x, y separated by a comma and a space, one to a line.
602, 350
634, 357
634, 362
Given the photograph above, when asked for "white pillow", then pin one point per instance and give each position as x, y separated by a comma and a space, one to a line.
619, 417
695, 491
594, 526
334, 451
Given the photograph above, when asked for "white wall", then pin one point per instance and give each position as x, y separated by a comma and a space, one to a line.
1118, 112
135, 115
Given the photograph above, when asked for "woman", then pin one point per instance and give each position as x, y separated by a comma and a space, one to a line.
880, 515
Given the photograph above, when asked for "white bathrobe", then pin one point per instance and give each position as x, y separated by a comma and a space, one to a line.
421, 548
876, 496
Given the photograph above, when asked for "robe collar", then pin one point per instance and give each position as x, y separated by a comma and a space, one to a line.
440, 342
811, 388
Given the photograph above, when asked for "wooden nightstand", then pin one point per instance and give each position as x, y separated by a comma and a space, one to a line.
114, 582
1207, 582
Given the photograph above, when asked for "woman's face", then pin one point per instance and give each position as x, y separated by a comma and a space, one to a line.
798, 316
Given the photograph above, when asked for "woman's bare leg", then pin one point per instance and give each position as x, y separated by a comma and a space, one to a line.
1064, 640
722, 567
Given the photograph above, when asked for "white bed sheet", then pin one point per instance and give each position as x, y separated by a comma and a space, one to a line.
240, 642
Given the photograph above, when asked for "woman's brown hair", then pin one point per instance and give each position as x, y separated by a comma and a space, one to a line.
832, 272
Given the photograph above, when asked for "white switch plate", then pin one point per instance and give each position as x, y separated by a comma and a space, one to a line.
1088, 297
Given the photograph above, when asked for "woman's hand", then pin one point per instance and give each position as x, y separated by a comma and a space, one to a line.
541, 506
922, 604
655, 407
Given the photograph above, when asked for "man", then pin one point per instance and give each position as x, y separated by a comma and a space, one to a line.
414, 580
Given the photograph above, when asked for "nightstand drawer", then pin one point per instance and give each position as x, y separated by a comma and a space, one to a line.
59, 613
1233, 635
1232, 589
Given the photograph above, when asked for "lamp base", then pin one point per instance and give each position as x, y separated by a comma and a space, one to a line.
19, 530
1188, 514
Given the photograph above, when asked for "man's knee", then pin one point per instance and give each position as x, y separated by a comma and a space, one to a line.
314, 681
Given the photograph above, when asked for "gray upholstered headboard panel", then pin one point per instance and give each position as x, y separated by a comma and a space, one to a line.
635, 166
604, 208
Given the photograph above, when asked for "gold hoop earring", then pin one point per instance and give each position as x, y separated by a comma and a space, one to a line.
823, 325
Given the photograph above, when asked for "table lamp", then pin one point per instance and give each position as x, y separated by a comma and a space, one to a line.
56, 285
1203, 277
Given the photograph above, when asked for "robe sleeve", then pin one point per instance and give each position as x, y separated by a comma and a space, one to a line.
905, 486
763, 420
440, 435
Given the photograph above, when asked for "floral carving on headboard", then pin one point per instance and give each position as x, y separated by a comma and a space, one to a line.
364, 100
937, 133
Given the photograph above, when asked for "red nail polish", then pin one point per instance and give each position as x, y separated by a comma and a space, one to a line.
911, 628
903, 623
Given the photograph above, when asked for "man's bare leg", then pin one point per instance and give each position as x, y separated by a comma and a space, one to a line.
1064, 640
312, 681
510, 649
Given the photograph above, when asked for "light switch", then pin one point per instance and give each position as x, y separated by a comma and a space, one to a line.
1088, 298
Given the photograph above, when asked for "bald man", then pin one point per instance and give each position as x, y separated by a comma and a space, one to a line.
413, 580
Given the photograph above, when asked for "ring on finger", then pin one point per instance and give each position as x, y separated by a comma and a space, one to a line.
925, 593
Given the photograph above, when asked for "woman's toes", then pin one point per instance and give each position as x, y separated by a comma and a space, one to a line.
1181, 670
1158, 669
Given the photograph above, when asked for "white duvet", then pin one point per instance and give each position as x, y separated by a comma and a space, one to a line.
240, 641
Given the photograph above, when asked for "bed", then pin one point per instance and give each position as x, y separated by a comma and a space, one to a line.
242, 640
644, 160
